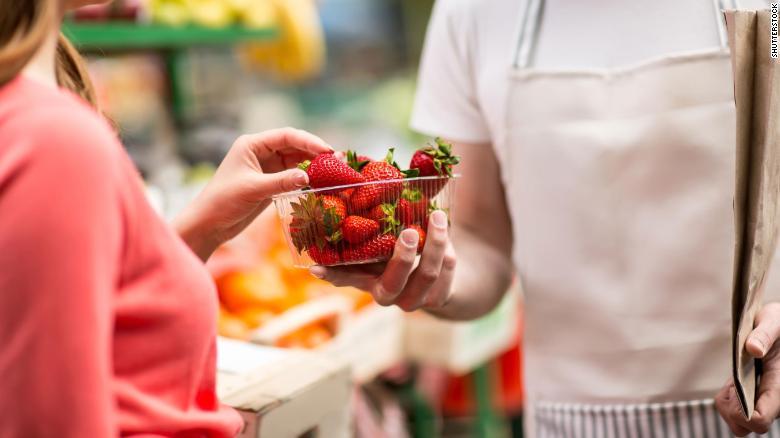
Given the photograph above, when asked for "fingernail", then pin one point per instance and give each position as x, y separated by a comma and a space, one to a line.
317, 271
409, 238
301, 179
757, 344
439, 218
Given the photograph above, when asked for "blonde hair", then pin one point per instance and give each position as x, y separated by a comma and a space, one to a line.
24, 26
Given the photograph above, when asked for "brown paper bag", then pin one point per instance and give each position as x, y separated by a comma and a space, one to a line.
757, 96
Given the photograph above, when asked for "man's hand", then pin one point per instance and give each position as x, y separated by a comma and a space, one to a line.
398, 281
761, 343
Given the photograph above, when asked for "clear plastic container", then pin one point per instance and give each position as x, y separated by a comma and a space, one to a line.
358, 223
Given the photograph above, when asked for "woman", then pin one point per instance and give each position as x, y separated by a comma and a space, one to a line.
107, 316
605, 131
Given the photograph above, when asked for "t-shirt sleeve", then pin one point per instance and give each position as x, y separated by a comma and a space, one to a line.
446, 102
60, 245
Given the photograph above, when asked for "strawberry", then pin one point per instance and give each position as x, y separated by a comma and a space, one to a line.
324, 256
435, 160
356, 161
385, 215
316, 220
356, 229
368, 196
421, 233
325, 170
412, 206
345, 194
336, 206
378, 248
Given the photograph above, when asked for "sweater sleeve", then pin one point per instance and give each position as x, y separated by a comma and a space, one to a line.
61, 235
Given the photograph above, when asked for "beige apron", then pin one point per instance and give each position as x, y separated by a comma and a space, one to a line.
620, 191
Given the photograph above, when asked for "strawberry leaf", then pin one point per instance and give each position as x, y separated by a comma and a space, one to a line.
410, 173
411, 195
353, 162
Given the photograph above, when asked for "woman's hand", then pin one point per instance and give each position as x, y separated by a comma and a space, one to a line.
761, 343
257, 167
398, 281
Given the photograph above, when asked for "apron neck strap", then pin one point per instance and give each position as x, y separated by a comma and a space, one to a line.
534, 11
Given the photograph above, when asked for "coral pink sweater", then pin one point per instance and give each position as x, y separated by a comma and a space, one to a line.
107, 319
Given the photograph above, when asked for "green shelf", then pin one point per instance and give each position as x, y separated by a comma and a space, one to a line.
134, 36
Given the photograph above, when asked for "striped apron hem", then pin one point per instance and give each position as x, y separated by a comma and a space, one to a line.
687, 419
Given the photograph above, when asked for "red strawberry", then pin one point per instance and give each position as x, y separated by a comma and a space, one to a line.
434, 160
385, 215
378, 248
325, 170
368, 196
421, 233
412, 207
324, 256
316, 220
345, 194
339, 208
356, 229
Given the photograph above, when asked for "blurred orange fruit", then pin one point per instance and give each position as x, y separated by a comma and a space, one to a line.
260, 287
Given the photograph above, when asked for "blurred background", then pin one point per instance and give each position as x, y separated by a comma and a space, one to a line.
182, 79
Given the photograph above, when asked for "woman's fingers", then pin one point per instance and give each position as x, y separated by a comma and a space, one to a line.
269, 143
430, 267
266, 185
766, 332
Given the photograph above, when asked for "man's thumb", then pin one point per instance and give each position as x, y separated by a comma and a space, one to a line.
766, 332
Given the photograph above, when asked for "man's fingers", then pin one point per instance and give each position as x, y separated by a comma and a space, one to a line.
345, 276
393, 280
728, 407
766, 332
429, 269
768, 404
439, 294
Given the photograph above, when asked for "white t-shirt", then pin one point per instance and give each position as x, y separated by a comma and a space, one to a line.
470, 45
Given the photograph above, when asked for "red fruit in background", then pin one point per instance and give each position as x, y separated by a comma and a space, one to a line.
380, 247
436, 160
356, 229
325, 170
368, 196
326, 255
421, 233
412, 207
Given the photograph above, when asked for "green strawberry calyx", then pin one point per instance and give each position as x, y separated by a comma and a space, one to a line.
390, 222
313, 223
441, 154
412, 195
353, 162
408, 173
304, 165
